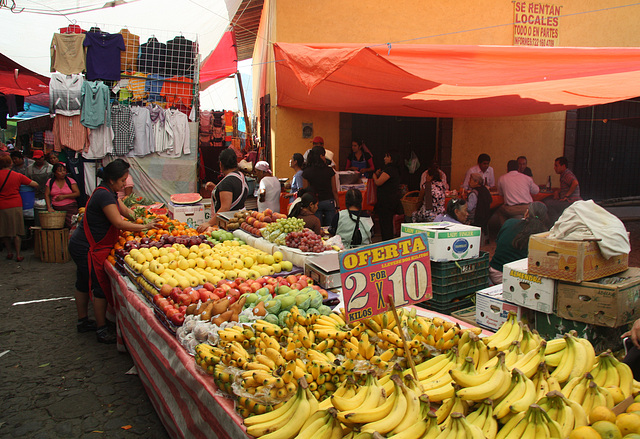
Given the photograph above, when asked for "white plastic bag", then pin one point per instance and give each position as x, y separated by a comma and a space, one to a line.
412, 163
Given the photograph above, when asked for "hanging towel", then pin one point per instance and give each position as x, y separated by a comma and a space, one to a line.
585, 220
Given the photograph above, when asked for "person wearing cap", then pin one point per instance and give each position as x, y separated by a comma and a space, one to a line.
268, 189
39, 171
319, 141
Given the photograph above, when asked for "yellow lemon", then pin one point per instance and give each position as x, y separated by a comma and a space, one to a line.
601, 413
607, 430
628, 423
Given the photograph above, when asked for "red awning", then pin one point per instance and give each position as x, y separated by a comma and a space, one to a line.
18, 80
221, 62
453, 81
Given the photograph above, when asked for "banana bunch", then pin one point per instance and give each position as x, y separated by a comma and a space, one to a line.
512, 355
568, 414
532, 424
426, 428
321, 425
454, 404
596, 396
207, 356
222, 378
434, 377
494, 384
286, 421
366, 399
544, 382
459, 427
575, 359
609, 372
530, 339
519, 397
246, 407
470, 345
529, 362
510, 331
332, 327
436, 332
483, 418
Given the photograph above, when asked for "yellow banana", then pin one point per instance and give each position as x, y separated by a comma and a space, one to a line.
366, 415
495, 387
396, 415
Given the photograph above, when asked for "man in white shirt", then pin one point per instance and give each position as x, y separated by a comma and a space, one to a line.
483, 168
516, 188
268, 191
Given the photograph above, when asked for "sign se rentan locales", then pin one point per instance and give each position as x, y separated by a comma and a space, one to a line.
535, 24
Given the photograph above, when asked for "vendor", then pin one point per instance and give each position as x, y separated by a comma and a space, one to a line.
127, 189
512, 243
632, 359
232, 191
360, 160
268, 189
305, 208
61, 192
354, 226
39, 171
91, 243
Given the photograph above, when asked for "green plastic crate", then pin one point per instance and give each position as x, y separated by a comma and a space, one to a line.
446, 308
454, 268
469, 287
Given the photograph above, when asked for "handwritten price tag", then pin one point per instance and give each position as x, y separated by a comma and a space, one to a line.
399, 268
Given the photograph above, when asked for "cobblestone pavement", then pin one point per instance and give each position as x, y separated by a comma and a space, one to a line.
55, 382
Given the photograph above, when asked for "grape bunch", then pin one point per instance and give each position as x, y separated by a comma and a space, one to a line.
276, 232
306, 240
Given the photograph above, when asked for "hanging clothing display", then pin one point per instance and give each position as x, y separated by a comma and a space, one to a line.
100, 142
162, 132
181, 57
129, 58
65, 94
143, 140
72, 29
136, 86
75, 168
67, 53
179, 124
96, 106
205, 128
123, 132
152, 57
68, 132
177, 90
153, 87
103, 55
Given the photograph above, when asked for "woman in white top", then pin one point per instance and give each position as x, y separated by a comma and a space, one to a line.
268, 191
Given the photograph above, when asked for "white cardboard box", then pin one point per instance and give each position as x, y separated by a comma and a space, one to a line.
447, 241
491, 308
207, 209
528, 290
192, 214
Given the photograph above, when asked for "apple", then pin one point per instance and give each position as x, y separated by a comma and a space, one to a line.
187, 290
184, 299
209, 286
255, 286
182, 310
170, 312
292, 279
157, 298
233, 292
175, 293
245, 289
204, 294
271, 288
219, 293
177, 319
225, 287
194, 295
165, 290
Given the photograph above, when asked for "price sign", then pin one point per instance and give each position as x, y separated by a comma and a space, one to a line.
399, 269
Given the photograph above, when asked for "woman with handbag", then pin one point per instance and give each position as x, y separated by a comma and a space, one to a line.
11, 220
354, 226
60, 193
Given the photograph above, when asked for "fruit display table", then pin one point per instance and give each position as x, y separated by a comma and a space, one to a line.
187, 401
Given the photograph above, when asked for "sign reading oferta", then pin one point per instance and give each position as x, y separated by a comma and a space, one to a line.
399, 268
535, 24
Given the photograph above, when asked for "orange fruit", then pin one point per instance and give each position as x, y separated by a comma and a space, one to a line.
607, 430
632, 436
628, 423
633, 407
601, 413
584, 432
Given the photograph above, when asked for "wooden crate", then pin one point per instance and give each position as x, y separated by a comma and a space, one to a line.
467, 315
52, 245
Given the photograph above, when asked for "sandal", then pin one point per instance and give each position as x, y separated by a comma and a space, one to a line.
10, 256
20, 258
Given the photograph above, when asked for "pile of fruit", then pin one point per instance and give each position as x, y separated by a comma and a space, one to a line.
252, 221
316, 373
277, 232
307, 241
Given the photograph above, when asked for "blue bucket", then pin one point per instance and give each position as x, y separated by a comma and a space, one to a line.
28, 195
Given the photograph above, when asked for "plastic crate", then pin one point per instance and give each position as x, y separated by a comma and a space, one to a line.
454, 272
450, 295
446, 308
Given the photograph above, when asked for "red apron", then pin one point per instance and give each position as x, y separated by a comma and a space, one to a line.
98, 253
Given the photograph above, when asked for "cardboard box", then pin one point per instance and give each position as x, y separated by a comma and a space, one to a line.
572, 261
492, 309
610, 301
551, 326
525, 289
207, 209
447, 241
192, 214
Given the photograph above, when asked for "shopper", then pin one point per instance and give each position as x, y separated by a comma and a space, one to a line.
319, 179
456, 212
61, 192
11, 219
387, 181
91, 243
305, 208
354, 225
268, 190
39, 171
296, 163
230, 193
512, 243
432, 196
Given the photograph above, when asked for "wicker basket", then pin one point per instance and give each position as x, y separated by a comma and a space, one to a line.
411, 202
52, 220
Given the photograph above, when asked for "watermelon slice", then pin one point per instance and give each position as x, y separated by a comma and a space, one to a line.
185, 198
158, 210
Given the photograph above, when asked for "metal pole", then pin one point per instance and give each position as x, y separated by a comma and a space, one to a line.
244, 109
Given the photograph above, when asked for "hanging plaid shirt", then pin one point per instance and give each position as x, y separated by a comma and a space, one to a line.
123, 129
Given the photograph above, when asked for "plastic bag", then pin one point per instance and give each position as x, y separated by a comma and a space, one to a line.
412, 163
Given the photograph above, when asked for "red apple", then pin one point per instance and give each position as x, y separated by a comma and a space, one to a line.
162, 303
157, 298
175, 293
225, 287
292, 279
255, 286
170, 312
245, 289
165, 290
232, 299
304, 278
194, 295
203, 294
219, 293
182, 310
177, 319
233, 292
184, 299
209, 286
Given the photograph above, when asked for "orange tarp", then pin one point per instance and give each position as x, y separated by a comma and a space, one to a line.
453, 81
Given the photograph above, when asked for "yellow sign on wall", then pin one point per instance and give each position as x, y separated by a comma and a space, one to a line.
535, 24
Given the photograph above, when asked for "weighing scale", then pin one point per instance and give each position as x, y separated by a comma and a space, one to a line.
324, 270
